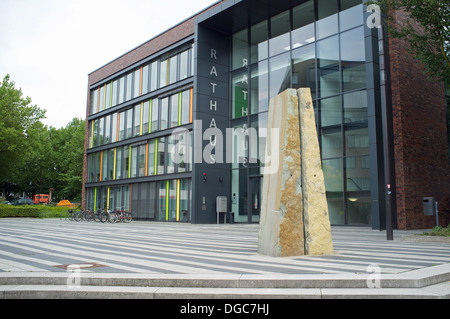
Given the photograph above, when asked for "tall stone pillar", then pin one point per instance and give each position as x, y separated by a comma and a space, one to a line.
316, 217
294, 211
281, 232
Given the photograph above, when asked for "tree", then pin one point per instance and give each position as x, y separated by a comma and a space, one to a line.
17, 116
426, 29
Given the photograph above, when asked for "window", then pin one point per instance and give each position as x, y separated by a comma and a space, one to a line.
163, 74
280, 75
121, 90
280, 26
353, 58
164, 113
161, 159
174, 106
259, 41
134, 161
240, 49
162, 207
114, 128
152, 159
101, 102
173, 69
328, 59
170, 155
119, 163
137, 120
129, 85
145, 117
155, 115
303, 25
108, 96
141, 163
126, 161
154, 76
184, 65
185, 107
94, 101
145, 79
129, 126
108, 129
328, 18
136, 83
115, 90
122, 126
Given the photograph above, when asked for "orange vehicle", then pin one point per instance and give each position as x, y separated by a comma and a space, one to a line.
41, 199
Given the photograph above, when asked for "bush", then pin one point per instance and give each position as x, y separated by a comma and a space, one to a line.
7, 211
35, 211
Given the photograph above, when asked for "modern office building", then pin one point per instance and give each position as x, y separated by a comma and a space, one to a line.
155, 113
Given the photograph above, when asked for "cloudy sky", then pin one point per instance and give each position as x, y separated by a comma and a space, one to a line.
49, 47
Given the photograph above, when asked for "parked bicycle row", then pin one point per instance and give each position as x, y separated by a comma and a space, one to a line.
100, 216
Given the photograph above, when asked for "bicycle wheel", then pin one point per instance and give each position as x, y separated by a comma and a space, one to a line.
77, 216
104, 217
128, 217
97, 216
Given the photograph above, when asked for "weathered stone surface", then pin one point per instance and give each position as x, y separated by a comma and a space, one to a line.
294, 210
318, 240
281, 232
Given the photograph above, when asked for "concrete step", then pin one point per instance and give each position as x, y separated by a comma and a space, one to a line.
440, 291
432, 282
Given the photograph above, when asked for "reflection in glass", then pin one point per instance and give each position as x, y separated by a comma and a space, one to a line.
359, 211
280, 38
353, 59
356, 140
303, 24
351, 14
240, 49
304, 68
328, 18
328, 57
259, 41
333, 173
331, 111
355, 107
280, 75
240, 95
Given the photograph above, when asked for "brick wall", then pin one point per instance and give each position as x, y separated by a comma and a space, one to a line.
422, 164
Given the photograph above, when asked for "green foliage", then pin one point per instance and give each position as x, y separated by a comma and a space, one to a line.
439, 231
427, 30
35, 157
34, 211
7, 211
17, 116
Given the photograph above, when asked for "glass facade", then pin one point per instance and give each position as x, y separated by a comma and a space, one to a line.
132, 159
318, 44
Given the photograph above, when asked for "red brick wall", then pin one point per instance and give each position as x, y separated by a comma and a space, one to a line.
421, 150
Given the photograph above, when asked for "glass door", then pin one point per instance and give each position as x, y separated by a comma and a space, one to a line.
254, 201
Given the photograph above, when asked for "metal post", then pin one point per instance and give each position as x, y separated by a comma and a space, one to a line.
386, 140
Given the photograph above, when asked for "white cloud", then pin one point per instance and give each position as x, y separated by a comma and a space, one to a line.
49, 46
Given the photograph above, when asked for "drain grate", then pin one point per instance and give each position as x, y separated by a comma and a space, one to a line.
80, 266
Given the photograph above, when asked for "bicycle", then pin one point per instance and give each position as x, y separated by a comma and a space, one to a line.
118, 216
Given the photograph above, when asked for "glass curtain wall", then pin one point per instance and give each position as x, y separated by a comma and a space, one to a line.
318, 44
167, 200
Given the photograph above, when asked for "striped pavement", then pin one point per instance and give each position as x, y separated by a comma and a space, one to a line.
28, 245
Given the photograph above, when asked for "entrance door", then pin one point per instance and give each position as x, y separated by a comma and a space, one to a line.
254, 200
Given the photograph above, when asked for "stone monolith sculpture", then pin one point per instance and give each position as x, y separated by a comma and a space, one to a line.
294, 210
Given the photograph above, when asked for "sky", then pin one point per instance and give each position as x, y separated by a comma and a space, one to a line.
48, 47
